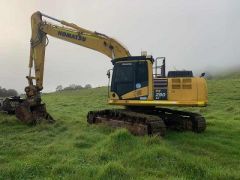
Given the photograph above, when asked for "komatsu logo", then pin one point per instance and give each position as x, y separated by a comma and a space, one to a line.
73, 36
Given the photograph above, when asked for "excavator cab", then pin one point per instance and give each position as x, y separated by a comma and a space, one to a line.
131, 74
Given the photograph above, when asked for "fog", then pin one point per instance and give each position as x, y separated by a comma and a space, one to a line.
197, 35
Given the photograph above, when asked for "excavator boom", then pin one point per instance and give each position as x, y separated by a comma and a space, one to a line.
32, 110
71, 33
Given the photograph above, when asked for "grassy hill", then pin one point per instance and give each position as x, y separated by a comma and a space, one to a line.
72, 149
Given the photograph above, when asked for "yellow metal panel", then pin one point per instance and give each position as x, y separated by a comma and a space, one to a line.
181, 92
137, 93
202, 90
157, 103
150, 80
182, 89
101, 43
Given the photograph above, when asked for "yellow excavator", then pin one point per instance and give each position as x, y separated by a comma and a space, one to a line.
139, 83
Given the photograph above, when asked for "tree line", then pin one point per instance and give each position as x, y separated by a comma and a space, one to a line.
7, 92
72, 87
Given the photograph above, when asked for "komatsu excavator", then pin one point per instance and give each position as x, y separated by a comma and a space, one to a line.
138, 83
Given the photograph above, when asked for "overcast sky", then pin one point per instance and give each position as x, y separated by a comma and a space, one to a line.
201, 35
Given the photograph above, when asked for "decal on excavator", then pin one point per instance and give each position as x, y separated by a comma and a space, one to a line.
160, 94
160, 89
77, 37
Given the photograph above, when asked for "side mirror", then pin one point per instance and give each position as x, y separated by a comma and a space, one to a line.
203, 74
109, 73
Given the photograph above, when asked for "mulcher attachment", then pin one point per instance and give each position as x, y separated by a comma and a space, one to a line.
33, 114
149, 121
31, 110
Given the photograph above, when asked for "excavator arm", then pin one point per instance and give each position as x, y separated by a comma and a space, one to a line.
68, 32
32, 110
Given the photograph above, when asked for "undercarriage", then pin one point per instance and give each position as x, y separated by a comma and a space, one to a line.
149, 121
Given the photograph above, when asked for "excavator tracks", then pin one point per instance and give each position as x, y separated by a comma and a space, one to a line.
181, 120
147, 121
136, 123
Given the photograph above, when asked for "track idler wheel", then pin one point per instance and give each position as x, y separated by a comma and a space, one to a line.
91, 117
198, 124
34, 114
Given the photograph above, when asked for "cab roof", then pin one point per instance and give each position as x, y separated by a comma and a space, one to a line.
133, 58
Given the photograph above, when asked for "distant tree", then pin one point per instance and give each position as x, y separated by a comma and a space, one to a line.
5, 93
77, 87
59, 88
73, 87
88, 86
70, 87
12, 92
67, 88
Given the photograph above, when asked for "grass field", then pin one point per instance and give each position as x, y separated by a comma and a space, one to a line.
72, 149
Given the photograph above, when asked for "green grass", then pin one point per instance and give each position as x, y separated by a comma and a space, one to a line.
72, 149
